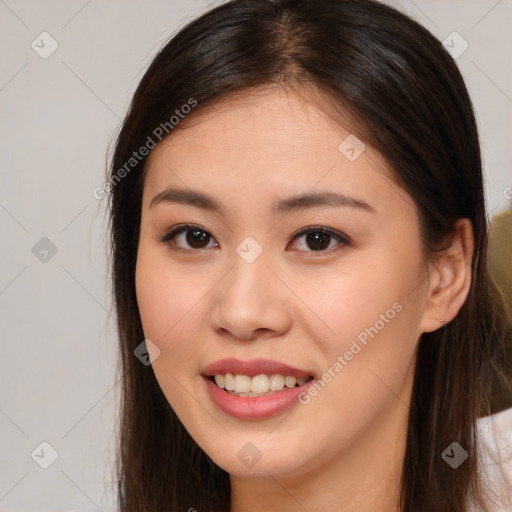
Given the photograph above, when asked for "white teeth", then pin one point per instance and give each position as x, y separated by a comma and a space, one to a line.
229, 382
290, 381
276, 382
242, 384
261, 384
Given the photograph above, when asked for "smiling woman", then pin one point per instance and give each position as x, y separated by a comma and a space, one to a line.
304, 259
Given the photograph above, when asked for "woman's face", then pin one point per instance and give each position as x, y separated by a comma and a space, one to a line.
333, 286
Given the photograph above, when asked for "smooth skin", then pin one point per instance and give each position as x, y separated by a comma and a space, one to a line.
304, 307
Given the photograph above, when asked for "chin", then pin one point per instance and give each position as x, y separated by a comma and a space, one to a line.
244, 458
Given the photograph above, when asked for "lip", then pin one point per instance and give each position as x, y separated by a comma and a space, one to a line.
253, 367
251, 408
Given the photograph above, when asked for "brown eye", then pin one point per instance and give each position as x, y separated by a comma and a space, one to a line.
188, 237
319, 239
197, 238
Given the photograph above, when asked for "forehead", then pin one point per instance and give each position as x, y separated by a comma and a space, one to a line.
263, 118
261, 144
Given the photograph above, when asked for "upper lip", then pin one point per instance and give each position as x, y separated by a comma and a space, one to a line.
252, 367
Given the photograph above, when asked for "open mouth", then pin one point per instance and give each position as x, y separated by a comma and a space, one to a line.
257, 386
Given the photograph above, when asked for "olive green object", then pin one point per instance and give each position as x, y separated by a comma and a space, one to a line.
500, 254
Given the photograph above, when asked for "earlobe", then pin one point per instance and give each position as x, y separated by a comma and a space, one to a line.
449, 279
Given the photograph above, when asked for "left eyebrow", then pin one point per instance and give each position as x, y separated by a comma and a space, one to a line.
293, 203
326, 198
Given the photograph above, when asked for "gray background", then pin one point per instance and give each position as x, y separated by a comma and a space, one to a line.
58, 115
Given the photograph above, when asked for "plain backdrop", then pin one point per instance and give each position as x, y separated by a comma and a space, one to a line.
58, 115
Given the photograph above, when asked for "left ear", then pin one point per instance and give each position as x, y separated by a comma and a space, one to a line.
449, 279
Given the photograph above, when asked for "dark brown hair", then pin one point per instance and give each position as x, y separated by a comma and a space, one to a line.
400, 92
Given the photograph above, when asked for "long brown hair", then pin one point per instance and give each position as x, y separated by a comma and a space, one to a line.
406, 98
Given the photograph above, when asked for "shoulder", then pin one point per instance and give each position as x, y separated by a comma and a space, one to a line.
496, 432
495, 458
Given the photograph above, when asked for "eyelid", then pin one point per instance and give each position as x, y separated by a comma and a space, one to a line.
344, 241
178, 229
322, 229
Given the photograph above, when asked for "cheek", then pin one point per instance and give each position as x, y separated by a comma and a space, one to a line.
368, 363
370, 318
381, 290
166, 297
167, 303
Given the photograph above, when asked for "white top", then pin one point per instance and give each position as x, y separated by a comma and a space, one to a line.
496, 460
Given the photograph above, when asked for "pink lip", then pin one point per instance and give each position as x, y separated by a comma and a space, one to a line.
252, 368
250, 408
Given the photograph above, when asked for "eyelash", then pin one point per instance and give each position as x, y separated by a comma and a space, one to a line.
181, 228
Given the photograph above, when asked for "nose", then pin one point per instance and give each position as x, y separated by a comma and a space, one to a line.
251, 302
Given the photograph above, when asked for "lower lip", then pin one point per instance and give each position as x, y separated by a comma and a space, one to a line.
251, 408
